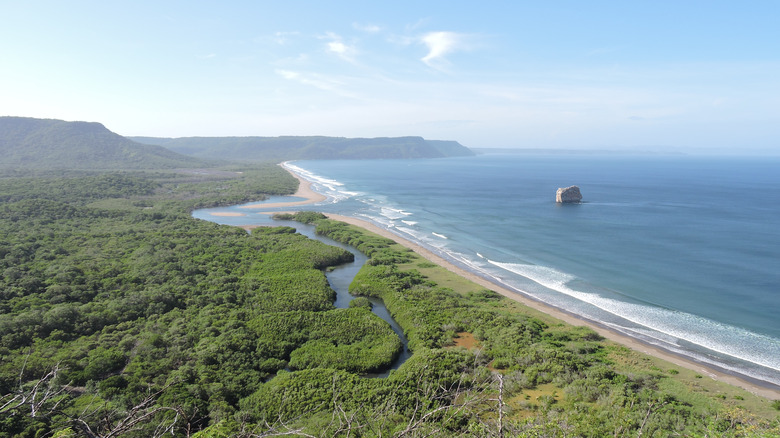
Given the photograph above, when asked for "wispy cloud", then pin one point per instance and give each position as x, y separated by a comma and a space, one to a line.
313, 80
321, 82
337, 46
440, 44
370, 28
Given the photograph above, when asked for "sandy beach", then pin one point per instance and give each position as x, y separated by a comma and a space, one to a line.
305, 191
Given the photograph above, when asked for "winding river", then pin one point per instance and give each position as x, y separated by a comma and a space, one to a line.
339, 277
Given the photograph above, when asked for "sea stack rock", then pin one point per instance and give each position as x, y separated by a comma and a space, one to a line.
568, 195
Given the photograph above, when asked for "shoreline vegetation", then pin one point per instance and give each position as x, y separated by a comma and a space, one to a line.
310, 197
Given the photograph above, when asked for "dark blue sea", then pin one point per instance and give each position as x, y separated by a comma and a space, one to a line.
681, 252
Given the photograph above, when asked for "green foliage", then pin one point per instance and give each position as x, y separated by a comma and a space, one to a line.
361, 302
355, 340
220, 188
289, 394
131, 298
85, 189
304, 217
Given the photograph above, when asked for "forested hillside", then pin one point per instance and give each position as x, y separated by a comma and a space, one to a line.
122, 316
29, 143
308, 148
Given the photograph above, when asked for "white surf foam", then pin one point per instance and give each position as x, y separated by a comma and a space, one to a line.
312, 177
393, 213
332, 188
667, 326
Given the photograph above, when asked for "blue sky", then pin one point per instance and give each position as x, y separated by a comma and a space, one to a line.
661, 75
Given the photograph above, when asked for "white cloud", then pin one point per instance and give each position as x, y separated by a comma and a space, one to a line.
339, 48
321, 82
439, 45
312, 80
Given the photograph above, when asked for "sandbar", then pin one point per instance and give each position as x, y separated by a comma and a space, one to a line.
227, 213
304, 191
311, 196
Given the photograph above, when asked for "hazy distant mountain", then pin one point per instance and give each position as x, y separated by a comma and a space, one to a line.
56, 144
308, 148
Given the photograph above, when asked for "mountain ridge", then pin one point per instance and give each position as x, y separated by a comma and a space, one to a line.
57, 144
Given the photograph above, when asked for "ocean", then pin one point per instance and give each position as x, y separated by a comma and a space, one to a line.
678, 251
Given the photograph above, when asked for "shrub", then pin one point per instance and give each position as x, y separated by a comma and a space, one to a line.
361, 302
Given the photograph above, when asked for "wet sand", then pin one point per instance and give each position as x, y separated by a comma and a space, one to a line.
304, 191
227, 214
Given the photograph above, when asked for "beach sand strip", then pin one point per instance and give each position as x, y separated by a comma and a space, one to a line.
304, 191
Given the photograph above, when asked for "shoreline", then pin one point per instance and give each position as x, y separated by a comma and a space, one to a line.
304, 191
311, 196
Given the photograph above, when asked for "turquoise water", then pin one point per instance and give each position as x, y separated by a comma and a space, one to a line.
680, 252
